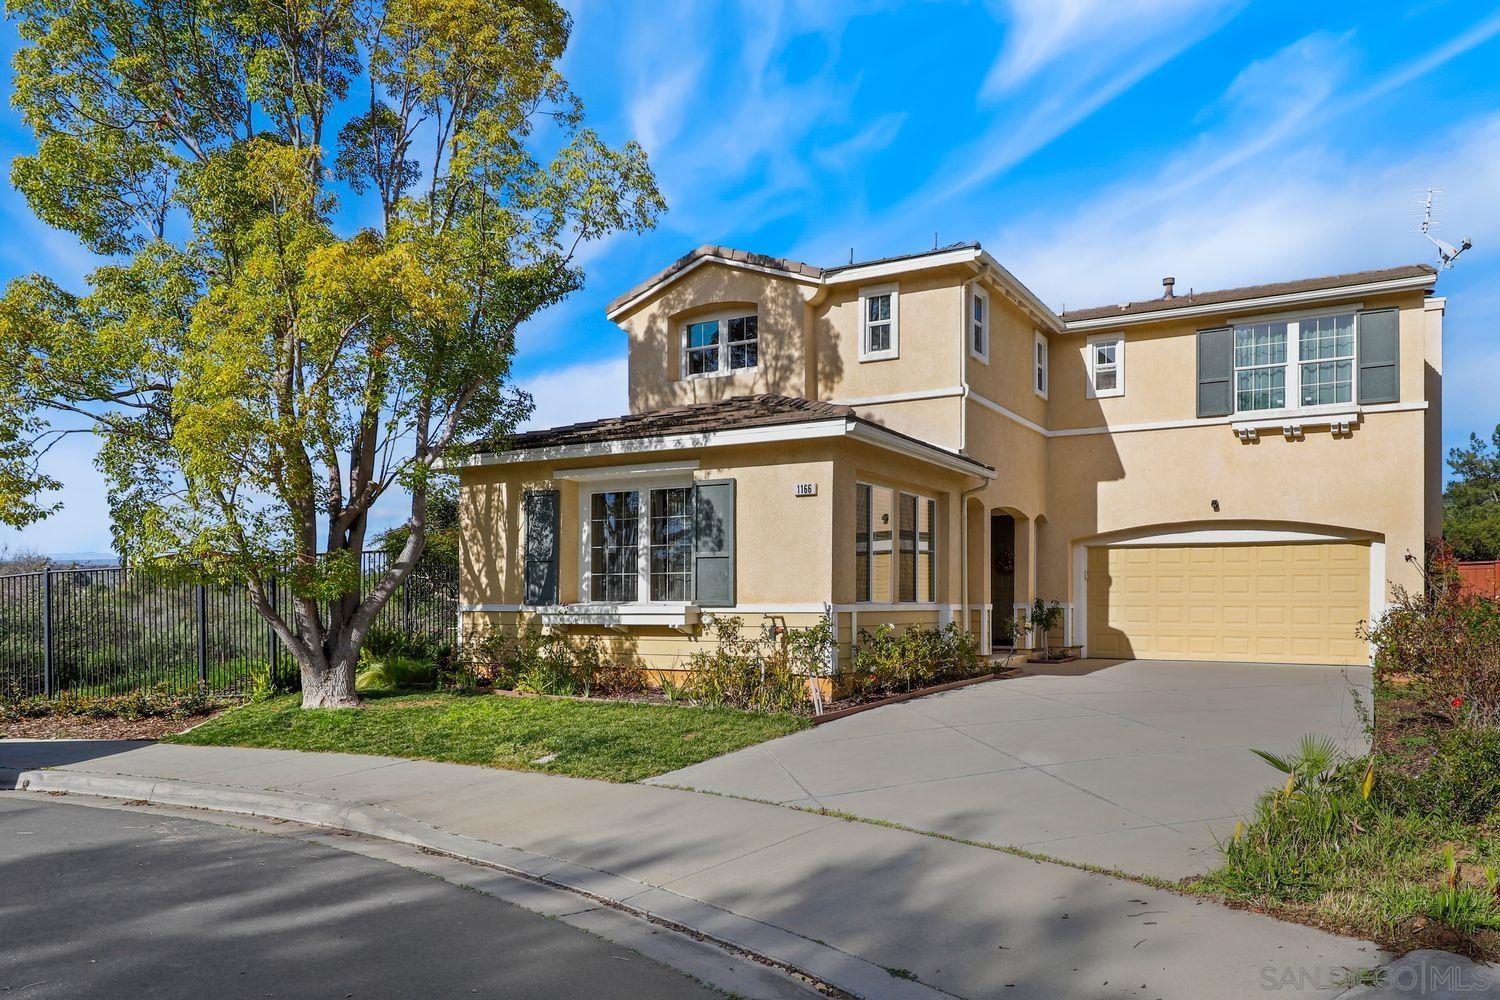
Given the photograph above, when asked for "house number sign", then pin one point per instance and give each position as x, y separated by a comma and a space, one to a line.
806, 489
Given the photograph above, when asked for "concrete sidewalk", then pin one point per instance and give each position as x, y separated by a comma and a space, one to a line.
847, 902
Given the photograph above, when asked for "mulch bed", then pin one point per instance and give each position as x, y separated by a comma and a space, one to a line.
78, 727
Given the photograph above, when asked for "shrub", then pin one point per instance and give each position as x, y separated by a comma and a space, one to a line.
531, 659
890, 661
1461, 781
760, 674
1448, 639
392, 671
156, 702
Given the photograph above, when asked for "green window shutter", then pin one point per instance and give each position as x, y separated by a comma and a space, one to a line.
713, 543
1379, 354
539, 522
1216, 372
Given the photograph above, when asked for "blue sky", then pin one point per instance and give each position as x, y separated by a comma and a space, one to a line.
1092, 146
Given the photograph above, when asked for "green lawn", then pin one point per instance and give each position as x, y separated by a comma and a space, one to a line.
616, 741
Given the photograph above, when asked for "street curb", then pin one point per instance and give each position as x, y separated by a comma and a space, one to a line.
856, 976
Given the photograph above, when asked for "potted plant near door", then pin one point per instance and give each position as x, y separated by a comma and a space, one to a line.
1043, 618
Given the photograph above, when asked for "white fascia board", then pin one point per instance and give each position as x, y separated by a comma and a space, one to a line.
599, 472
840, 427
1021, 295
867, 272
1260, 303
902, 397
744, 265
882, 438
674, 442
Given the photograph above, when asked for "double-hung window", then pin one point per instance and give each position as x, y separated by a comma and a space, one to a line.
621, 565
719, 345
1309, 361
1326, 355
879, 323
1039, 366
1106, 365
979, 325
894, 546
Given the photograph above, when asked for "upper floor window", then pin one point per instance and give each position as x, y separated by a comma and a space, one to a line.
1039, 366
979, 325
880, 323
1310, 360
1106, 365
721, 344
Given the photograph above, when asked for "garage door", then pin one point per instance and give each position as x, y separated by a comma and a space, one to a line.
1298, 603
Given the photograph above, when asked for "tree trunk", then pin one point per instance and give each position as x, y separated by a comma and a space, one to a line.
330, 685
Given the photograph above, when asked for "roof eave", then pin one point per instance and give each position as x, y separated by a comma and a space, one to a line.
851, 427
1259, 303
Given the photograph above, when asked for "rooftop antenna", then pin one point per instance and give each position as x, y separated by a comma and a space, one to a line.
934, 239
1447, 252
851, 255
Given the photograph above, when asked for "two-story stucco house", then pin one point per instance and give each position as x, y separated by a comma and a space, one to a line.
1227, 475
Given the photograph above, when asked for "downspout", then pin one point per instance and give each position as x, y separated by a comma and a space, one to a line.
963, 550
963, 366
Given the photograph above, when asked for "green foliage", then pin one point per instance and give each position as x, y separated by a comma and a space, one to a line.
536, 661
160, 701
1043, 619
615, 741
253, 372
1369, 847
1461, 781
764, 672
892, 661
391, 672
1471, 500
1448, 639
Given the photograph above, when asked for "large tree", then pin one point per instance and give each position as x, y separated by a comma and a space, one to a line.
1471, 500
259, 376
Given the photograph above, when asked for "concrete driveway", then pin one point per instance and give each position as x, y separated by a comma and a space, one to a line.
1132, 765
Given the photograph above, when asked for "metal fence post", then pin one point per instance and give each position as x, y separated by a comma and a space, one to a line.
272, 643
202, 596
47, 631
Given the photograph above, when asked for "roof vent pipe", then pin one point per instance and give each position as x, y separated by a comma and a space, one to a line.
1166, 284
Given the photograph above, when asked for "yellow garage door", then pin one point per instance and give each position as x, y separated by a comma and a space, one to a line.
1297, 603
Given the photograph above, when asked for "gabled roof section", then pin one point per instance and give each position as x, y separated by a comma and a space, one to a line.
725, 421
1407, 275
710, 252
964, 253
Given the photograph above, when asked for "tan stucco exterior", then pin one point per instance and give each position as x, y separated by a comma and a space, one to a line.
1072, 472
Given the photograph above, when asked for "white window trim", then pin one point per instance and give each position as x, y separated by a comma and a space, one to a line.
1091, 359
722, 317
979, 295
1042, 365
643, 484
865, 294
891, 601
1292, 377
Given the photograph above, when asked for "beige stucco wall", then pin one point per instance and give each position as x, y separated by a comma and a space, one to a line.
1382, 481
655, 330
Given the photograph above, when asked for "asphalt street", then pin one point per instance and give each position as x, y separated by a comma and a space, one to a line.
103, 903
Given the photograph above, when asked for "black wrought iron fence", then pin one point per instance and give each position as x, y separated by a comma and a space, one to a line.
109, 630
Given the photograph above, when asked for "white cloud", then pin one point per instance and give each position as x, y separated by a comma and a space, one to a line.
587, 391
1041, 32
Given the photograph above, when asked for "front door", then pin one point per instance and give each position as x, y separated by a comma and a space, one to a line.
1002, 577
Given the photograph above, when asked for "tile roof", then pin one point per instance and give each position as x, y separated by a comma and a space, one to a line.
722, 253
793, 267
1250, 292
736, 412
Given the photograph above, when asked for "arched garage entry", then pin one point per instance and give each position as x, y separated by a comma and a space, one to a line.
1248, 593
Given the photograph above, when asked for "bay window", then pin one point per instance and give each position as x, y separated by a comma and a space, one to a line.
894, 546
